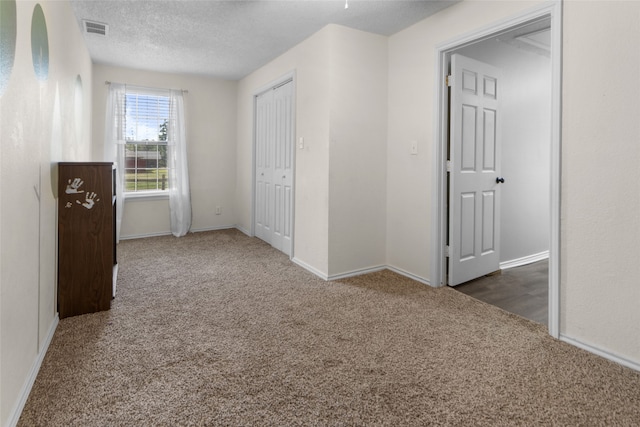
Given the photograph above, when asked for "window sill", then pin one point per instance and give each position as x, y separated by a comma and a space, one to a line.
147, 195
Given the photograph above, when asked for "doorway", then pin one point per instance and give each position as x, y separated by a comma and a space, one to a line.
549, 15
523, 57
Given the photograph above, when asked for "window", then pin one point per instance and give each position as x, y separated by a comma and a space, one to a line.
146, 138
146, 122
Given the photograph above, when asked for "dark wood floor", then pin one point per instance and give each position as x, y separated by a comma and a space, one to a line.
520, 290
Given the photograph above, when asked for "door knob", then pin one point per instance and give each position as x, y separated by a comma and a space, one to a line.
499, 180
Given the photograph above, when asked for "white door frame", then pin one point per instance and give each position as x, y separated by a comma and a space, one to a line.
290, 76
552, 10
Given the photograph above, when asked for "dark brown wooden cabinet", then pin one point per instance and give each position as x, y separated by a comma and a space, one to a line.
86, 237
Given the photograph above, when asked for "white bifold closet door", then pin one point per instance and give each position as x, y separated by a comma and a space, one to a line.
274, 166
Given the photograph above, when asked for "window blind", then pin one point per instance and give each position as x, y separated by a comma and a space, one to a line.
146, 118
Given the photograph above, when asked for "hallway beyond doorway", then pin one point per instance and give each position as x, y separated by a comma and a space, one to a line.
521, 290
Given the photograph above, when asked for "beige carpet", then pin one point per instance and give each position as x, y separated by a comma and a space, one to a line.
220, 329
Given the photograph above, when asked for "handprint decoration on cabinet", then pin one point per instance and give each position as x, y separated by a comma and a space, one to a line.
73, 187
86, 238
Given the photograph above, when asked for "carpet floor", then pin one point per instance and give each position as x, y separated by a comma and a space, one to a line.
219, 329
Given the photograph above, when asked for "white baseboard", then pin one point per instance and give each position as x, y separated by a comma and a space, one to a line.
353, 273
310, 269
356, 272
168, 233
409, 275
222, 227
144, 236
244, 230
602, 353
524, 260
33, 373
326, 277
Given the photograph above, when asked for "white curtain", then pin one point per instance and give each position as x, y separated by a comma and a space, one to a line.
114, 144
179, 193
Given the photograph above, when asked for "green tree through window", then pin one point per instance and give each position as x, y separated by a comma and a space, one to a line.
146, 129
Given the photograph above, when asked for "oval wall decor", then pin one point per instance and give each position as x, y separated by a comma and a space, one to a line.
39, 44
7, 41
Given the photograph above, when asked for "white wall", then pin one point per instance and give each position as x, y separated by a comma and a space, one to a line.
310, 61
412, 56
600, 219
357, 153
526, 149
341, 171
210, 106
600, 285
41, 122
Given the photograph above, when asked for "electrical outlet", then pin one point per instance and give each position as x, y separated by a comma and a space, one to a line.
218, 210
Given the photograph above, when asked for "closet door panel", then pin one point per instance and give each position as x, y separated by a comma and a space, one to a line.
274, 166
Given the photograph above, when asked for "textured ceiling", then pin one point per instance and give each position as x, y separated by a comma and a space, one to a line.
228, 39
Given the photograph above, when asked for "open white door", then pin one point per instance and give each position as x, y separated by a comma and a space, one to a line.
474, 180
274, 167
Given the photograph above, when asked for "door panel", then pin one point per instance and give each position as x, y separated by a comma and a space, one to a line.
467, 225
474, 200
263, 170
283, 162
469, 131
288, 206
260, 209
489, 156
274, 166
488, 216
